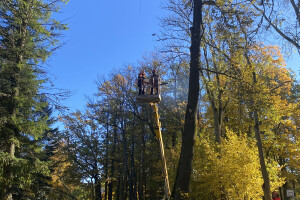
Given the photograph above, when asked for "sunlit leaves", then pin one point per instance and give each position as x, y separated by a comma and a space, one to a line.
231, 169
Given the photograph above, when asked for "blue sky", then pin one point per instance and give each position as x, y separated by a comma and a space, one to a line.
104, 35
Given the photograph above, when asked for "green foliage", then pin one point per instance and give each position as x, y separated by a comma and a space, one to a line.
28, 35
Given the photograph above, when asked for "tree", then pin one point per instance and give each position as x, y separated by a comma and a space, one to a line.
232, 166
84, 147
28, 35
184, 170
265, 74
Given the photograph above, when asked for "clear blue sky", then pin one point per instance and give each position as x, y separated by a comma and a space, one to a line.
104, 35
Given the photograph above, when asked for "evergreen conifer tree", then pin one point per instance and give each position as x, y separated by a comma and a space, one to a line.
28, 35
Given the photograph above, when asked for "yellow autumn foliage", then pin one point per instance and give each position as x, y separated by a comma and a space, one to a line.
230, 170
62, 180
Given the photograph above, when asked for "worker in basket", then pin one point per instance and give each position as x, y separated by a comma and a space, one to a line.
154, 81
141, 82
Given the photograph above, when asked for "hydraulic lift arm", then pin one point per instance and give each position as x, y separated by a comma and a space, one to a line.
157, 129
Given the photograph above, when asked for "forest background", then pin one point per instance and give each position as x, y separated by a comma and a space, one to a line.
105, 147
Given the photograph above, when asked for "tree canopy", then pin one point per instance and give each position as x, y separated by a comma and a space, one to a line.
229, 111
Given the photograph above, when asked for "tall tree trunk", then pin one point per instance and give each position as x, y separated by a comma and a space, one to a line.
8, 191
106, 158
294, 187
106, 187
265, 175
280, 192
284, 187
119, 175
118, 190
133, 172
112, 168
142, 180
122, 182
217, 125
217, 111
184, 170
12, 109
97, 188
125, 171
130, 177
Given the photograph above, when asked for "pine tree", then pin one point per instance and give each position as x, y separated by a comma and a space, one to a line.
28, 35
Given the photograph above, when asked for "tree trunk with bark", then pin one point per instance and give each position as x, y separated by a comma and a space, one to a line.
112, 168
142, 179
265, 175
184, 170
125, 171
106, 158
98, 188
12, 110
133, 171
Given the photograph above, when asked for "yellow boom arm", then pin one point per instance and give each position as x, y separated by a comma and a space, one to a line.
157, 129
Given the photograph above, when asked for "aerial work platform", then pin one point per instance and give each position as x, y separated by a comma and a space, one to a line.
149, 92
149, 98
149, 88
